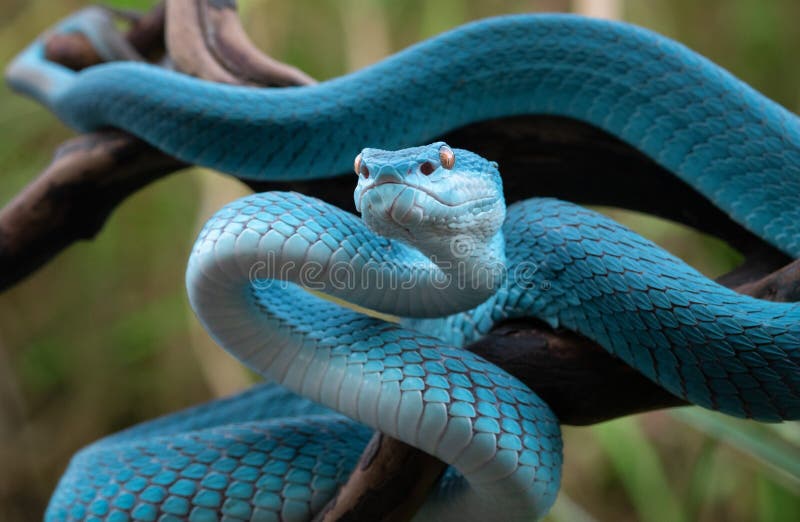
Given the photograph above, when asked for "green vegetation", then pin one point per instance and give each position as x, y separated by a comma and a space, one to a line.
103, 336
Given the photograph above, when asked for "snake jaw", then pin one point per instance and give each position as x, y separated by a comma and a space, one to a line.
386, 210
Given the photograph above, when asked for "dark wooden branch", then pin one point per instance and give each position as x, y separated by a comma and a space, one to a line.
146, 33
577, 378
206, 39
72, 198
74, 50
539, 156
187, 42
390, 482
782, 285
89, 175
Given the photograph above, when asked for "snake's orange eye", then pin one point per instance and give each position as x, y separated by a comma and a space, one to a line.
446, 157
427, 168
357, 167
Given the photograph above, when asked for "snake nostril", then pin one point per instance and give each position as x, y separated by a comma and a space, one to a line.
427, 168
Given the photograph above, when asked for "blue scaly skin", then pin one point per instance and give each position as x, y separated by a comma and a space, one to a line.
736, 147
429, 215
243, 459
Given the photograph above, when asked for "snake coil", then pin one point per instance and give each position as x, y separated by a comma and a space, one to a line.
269, 454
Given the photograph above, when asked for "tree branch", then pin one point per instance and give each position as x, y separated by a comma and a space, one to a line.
72, 198
390, 482
74, 50
88, 176
206, 39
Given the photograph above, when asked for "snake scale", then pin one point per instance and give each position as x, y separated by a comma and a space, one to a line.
435, 217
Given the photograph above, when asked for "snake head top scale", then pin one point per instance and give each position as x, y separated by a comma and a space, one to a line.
447, 203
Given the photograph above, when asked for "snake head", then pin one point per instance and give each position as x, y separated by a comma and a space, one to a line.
428, 195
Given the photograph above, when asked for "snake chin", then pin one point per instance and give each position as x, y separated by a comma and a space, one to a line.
392, 210
410, 213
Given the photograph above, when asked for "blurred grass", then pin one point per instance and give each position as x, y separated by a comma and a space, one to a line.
639, 467
103, 337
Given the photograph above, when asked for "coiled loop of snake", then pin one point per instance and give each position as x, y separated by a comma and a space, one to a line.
700, 340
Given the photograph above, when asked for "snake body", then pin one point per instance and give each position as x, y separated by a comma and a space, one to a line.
241, 459
701, 341
737, 147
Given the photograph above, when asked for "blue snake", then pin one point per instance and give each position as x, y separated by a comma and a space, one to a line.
436, 246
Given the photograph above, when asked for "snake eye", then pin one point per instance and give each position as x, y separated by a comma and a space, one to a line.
358, 168
446, 157
427, 168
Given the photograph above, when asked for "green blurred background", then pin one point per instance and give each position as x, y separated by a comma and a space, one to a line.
103, 336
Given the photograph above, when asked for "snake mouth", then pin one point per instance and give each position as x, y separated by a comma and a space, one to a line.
433, 195
399, 208
403, 207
